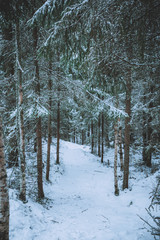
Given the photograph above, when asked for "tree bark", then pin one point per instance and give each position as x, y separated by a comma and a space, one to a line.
35, 144
149, 143
116, 190
74, 135
4, 196
22, 195
88, 132
82, 136
58, 131
99, 135
92, 137
10, 96
39, 159
149, 131
49, 123
144, 133
120, 146
102, 148
127, 131
38, 120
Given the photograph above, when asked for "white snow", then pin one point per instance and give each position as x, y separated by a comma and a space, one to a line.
81, 203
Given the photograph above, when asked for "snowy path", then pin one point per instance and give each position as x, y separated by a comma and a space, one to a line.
84, 206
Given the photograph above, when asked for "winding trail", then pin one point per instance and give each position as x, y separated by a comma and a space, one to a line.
83, 205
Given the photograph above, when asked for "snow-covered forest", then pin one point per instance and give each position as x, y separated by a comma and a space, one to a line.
79, 120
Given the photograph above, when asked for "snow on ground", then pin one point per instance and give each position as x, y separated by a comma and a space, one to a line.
81, 203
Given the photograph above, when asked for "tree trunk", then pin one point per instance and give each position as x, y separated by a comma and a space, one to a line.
4, 196
10, 96
102, 148
92, 137
149, 131
82, 137
107, 139
144, 155
74, 135
38, 121
35, 144
49, 123
39, 159
127, 131
149, 143
58, 131
120, 146
99, 135
22, 195
116, 190
88, 132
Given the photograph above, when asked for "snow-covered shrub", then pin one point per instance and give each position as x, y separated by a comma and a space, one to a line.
153, 224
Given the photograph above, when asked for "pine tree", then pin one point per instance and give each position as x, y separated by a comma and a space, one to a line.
4, 197
116, 190
49, 121
127, 131
21, 116
38, 118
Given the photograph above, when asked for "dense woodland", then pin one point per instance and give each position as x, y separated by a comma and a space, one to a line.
85, 71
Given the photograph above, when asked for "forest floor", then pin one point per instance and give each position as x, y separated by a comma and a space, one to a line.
80, 203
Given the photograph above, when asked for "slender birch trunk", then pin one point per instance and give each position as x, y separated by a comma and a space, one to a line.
38, 119
116, 190
22, 195
120, 146
49, 122
4, 196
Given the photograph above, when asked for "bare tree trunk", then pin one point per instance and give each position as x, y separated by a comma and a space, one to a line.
38, 120
4, 196
74, 135
99, 135
149, 147
35, 144
149, 132
127, 131
144, 155
49, 123
116, 190
58, 131
120, 145
39, 159
82, 137
102, 148
88, 132
22, 195
92, 137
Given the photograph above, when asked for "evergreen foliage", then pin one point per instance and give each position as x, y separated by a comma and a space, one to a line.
100, 53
